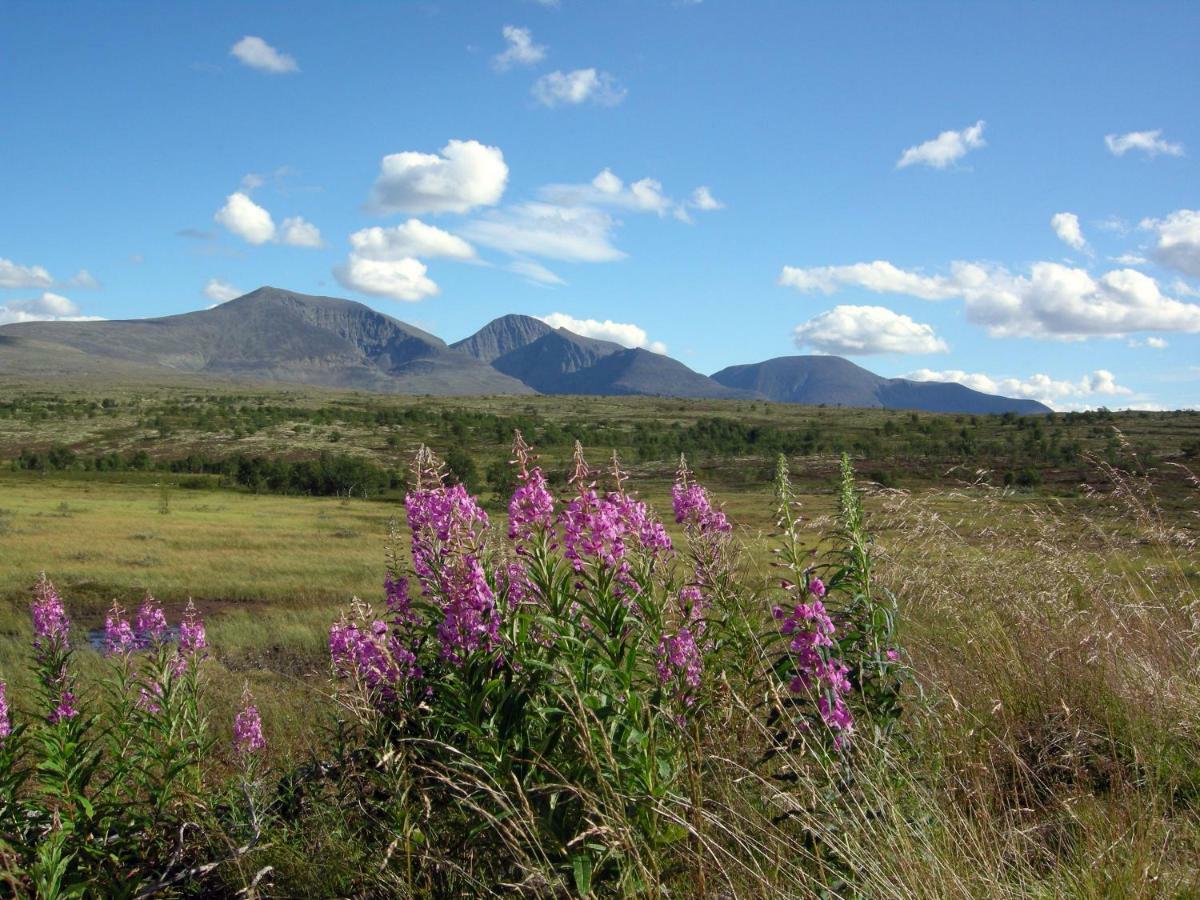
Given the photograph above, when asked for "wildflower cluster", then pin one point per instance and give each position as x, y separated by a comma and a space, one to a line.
809, 631
447, 528
247, 728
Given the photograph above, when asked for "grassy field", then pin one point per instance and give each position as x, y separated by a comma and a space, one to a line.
1053, 736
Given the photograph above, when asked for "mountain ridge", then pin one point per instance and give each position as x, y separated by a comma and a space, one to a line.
276, 335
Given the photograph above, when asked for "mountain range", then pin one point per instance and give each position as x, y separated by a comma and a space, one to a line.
276, 335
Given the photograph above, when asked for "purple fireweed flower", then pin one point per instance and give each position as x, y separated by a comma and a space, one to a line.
65, 709
640, 522
5, 714
150, 623
193, 638
470, 621
51, 627
443, 520
531, 509
369, 652
148, 700
399, 603
594, 529
816, 587
679, 662
119, 638
694, 509
247, 728
811, 632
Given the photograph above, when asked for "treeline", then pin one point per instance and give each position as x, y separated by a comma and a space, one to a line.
329, 474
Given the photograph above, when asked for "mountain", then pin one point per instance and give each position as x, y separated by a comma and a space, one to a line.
640, 372
274, 335
558, 361
531, 351
266, 335
838, 382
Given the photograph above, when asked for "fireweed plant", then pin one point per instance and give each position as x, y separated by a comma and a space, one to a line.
525, 711
542, 691
106, 798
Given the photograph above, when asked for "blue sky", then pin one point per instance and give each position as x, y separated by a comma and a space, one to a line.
1001, 194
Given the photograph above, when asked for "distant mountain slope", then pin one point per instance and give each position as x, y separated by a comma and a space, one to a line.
838, 382
640, 372
501, 336
280, 336
275, 335
558, 361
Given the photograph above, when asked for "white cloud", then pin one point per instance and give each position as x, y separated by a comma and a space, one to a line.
1059, 394
219, 291
580, 86
549, 4
48, 307
245, 218
467, 174
413, 238
534, 272
296, 232
258, 54
399, 279
252, 223
1149, 142
606, 189
624, 333
1066, 226
1183, 289
879, 276
83, 279
1178, 240
568, 233
1052, 301
1129, 259
945, 149
863, 330
520, 50
1154, 343
702, 198
13, 275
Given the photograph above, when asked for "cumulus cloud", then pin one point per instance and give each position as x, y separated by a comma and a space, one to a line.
398, 279
1066, 226
242, 216
219, 291
1178, 240
579, 86
548, 230
49, 307
519, 50
624, 333
606, 189
14, 275
413, 238
258, 54
535, 272
252, 223
703, 199
296, 232
1052, 301
1056, 393
1149, 142
465, 175
1154, 343
945, 149
865, 330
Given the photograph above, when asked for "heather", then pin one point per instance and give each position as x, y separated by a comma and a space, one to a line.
582, 691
